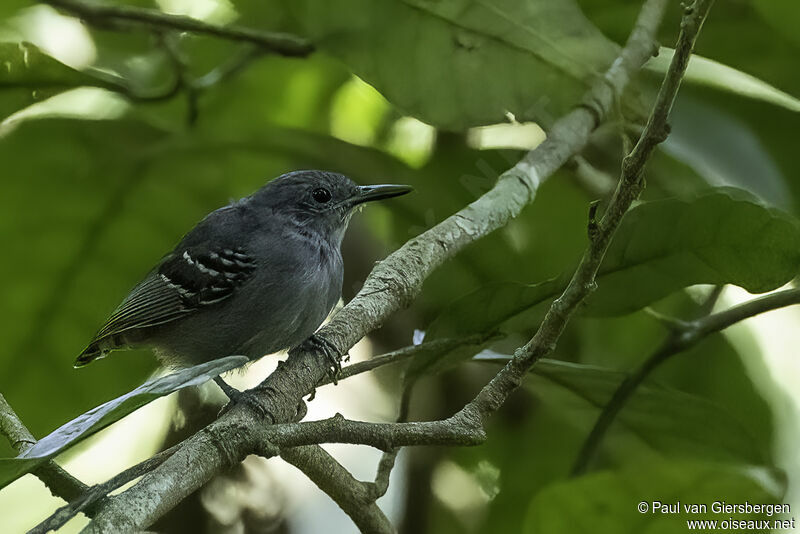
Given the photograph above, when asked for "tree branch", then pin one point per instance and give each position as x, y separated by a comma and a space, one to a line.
58, 481
433, 348
89, 501
683, 336
391, 286
352, 495
381, 484
356, 498
104, 14
492, 396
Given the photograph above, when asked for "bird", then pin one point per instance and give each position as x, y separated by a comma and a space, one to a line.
255, 277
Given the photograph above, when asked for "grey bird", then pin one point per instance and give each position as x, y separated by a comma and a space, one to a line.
252, 278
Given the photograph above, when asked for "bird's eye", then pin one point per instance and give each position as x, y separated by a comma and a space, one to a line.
321, 195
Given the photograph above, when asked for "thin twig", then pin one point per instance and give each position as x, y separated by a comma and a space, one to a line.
430, 349
582, 284
494, 394
180, 65
352, 495
95, 13
90, 500
381, 484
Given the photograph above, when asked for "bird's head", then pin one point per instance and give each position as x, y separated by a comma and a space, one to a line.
321, 200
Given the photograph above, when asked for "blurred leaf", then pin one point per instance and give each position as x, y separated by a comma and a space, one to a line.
63, 212
24, 65
10, 7
112, 411
782, 15
714, 369
429, 359
656, 417
725, 151
606, 502
708, 72
492, 305
660, 247
438, 60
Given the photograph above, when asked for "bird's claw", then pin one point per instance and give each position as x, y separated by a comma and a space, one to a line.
317, 343
247, 398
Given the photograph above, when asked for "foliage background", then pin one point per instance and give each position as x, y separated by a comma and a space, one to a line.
96, 187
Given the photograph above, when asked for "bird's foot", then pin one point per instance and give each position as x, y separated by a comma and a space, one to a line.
247, 398
317, 343
229, 391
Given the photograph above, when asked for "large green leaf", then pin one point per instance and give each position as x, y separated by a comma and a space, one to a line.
110, 412
725, 237
607, 502
725, 151
443, 61
708, 72
655, 418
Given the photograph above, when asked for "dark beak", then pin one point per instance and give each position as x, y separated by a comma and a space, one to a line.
368, 193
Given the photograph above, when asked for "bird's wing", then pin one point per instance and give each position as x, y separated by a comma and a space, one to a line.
184, 282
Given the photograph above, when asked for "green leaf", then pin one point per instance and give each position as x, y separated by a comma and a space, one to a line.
655, 418
724, 150
782, 15
708, 72
606, 502
725, 237
112, 411
490, 306
10, 7
440, 61
429, 356
23, 65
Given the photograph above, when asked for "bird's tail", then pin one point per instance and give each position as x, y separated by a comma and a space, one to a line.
89, 354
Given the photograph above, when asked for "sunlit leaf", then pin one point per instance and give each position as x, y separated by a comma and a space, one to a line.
24, 65
708, 72
98, 418
439, 61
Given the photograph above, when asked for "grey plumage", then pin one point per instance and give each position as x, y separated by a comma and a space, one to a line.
254, 277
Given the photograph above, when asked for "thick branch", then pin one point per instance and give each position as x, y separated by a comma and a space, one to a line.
59, 482
682, 337
106, 14
392, 285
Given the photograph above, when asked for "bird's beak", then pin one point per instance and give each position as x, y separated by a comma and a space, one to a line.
367, 193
